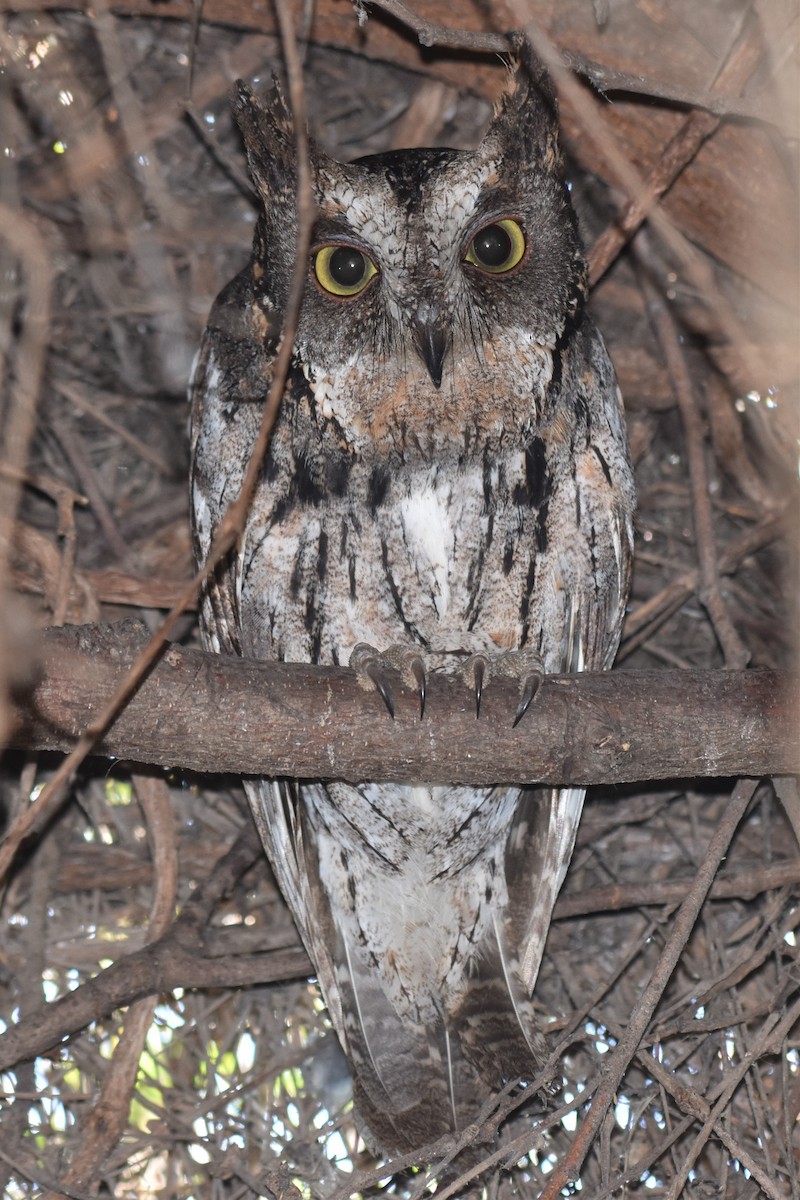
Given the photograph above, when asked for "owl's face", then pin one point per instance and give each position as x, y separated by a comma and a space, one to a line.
427, 267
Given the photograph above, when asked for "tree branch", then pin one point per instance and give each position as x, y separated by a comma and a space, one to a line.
209, 713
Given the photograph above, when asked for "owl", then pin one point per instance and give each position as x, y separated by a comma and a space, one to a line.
448, 480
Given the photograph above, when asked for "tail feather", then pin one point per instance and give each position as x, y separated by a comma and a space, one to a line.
403, 1073
496, 1028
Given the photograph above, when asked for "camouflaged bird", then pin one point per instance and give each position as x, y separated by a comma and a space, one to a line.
448, 477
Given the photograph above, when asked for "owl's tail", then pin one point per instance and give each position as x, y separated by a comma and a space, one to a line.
415, 1082
407, 1076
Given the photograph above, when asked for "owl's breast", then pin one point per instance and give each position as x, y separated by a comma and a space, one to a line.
422, 532
433, 538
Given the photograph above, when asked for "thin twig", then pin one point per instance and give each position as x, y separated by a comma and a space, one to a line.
736, 69
569, 1167
71, 444
772, 1032
648, 615
696, 268
106, 1121
742, 885
150, 969
734, 651
602, 77
27, 244
695, 1105
429, 33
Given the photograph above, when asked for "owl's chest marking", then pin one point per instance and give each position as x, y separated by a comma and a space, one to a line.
426, 515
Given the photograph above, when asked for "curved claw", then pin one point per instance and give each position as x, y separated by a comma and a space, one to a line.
479, 674
418, 671
376, 675
533, 682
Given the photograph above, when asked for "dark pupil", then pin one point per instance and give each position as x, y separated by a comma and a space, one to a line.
346, 266
492, 245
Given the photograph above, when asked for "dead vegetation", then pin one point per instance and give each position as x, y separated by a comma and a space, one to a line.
200, 1063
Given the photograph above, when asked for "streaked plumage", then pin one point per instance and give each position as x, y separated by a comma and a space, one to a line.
491, 513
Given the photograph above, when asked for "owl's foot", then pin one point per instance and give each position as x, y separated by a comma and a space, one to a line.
375, 666
524, 665
475, 672
379, 666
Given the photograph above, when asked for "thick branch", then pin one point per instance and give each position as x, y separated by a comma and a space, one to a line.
214, 714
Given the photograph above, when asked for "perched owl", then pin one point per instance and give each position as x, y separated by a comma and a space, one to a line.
449, 473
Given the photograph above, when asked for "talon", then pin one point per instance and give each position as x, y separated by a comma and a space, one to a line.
374, 673
418, 671
479, 674
533, 682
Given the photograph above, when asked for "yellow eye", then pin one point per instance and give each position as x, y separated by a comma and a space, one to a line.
343, 270
497, 248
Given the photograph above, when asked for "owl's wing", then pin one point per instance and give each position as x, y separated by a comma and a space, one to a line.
277, 812
230, 381
600, 489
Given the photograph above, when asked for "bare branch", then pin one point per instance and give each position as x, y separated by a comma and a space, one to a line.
205, 712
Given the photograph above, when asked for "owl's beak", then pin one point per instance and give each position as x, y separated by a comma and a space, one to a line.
433, 342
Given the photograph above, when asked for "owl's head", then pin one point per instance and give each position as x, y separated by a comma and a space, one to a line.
423, 260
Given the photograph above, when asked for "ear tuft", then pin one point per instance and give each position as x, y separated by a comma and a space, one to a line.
268, 134
526, 119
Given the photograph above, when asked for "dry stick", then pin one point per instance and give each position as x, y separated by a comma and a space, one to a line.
679, 152
151, 969
710, 593
695, 1105
53, 795
510, 1152
772, 1031
27, 244
790, 1107
39, 554
648, 1160
525, 1142
764, 1120
170, 319
602, 77
65, 500
75, 453
609, 79
745, 358
27, 1167
615, 896
198, 710
642, 621
749, 961
76, 397
182, 958
29, 973
97, 868
244, 15
568, 1169
68, 534
430, 34
57, 491
107, 1119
